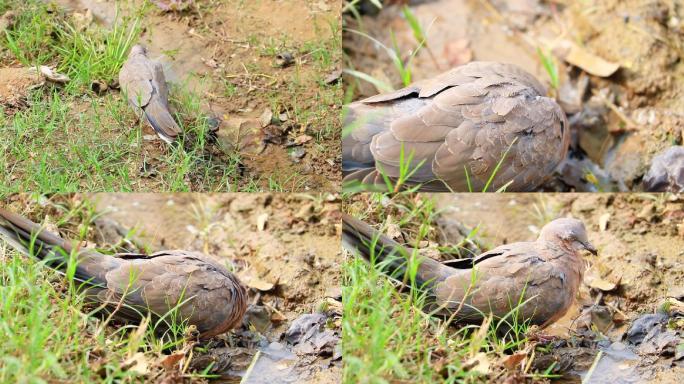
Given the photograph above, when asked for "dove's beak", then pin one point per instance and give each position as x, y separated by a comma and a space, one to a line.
590, 248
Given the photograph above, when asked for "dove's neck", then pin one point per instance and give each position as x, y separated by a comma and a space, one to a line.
562, 254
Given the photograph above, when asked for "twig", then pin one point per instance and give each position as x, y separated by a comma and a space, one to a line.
593, 367
629, 122
245, 378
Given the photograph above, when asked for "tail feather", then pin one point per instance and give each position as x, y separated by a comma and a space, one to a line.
375, 247
33, 240
160, 119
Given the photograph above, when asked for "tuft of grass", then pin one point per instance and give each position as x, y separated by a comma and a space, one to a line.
550, 66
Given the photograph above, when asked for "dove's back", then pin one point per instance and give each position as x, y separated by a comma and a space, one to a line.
144, 83
458, 127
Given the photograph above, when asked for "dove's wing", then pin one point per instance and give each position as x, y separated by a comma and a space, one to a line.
204, 293
457, 128
135, 79
505, 278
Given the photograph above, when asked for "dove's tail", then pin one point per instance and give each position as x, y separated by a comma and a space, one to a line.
33, 240
159, 117
376, 248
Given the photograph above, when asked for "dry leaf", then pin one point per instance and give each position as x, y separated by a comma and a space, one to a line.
258, 284
169, 362
479, 363
582, 58
302, 139
52, 75
596, 282
266, 117
512, 361
137, 363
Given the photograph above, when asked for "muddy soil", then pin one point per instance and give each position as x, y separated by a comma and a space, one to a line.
619, 122
284, 248
227, 53
639, 272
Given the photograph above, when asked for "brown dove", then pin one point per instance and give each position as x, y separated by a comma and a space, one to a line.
143, 82
457, 127
205, 293
544, 274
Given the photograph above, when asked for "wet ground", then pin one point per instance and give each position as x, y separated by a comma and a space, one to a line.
284, 248
623, 96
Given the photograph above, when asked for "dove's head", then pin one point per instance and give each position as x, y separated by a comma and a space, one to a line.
569, 232
138, 50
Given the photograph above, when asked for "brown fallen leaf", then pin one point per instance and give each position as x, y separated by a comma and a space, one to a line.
512, 361
302, 139
266, 117
593, 280
587, 61
170, 362
258, 284
137, 363
478, 363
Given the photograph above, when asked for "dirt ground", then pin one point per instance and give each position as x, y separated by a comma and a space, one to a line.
619, 121
636, 276
265, 73
284, 248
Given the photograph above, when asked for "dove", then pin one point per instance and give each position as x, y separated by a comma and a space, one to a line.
544, 275
130, 286
458, 129
667, 171
143, 82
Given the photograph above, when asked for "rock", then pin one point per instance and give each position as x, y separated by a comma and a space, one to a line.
667, 171
296, 154
642, 326
284, 59
660, 342
310, 336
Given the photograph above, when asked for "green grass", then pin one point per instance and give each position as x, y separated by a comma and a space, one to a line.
50, 334
388, 338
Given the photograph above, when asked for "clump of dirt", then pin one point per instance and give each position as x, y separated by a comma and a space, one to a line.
619, 122
284, 248
16, 82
